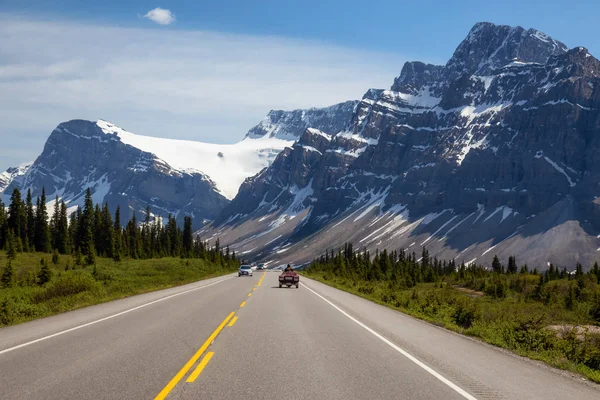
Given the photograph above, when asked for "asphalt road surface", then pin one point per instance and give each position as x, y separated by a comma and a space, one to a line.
245, 338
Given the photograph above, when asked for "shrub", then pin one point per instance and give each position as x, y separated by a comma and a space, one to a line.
68, 284
464, 314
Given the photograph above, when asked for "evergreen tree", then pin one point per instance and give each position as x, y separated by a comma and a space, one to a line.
53, 226
17, 217
86, 228
512, 265
29, 240
45, 273
74, 228
107, 235
42, 234
98, 232
3, 225
7, 275
496, 266
188, 239
11, 245
117, 252
132, 234
61, 235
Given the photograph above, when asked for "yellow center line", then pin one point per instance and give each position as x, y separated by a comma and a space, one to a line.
243, 304
194, 375
249, 294
233, 321
167, 389
261, 279
253, 289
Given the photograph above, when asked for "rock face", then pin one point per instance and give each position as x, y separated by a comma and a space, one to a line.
171, 176
497, 152
13, 174
79, 155
289, 125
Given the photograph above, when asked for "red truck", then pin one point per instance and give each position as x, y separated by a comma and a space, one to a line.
289, 278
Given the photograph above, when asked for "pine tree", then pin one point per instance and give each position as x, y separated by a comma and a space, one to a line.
98, 232
512, 265
61, 239
17, 217
45, 273
55, 257
188, 239
3, 225
11, 246
29, 239
496, 266
118, 251
54, 223
42, 234
86, 228
133, 237
7, 275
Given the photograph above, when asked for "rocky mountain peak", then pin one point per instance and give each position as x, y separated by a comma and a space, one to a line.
488, 47
415, 75
289, 125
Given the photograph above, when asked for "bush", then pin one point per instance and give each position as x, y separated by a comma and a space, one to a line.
70, 283
465, 313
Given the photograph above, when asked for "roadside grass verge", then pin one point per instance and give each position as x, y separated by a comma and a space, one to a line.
513, 322
71, 287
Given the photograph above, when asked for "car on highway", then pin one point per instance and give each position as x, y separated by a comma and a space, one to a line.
260, 266
289, 277
245, 270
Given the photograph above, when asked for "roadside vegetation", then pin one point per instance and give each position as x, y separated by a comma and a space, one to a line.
48, 267
552, 316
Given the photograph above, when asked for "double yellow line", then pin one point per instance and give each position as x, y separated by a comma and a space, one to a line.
167, 389
231, 319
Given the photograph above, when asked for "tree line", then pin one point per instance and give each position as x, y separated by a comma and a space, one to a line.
93, 231
402, 270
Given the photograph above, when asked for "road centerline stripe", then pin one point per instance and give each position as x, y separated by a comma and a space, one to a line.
415, 360
173, 382
232, 322
194, 375
243, 304
107, 318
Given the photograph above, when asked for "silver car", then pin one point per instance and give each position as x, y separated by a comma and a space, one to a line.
245, 270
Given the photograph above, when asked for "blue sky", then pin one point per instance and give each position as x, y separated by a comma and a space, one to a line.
221, 65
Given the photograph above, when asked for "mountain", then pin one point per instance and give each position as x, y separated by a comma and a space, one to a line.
289, 125
495, 152
12, 174
82, 154
175, 177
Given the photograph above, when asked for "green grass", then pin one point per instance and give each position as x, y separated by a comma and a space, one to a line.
73, 287
512, 323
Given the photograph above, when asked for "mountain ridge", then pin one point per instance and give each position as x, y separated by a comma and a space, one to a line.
462, 160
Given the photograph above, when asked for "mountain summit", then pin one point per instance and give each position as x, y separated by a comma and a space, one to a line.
496, 152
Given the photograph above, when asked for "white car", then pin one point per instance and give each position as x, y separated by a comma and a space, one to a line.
245, 270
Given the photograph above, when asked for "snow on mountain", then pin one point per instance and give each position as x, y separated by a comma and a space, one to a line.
497, 149
289, 125
8, 176
227, 165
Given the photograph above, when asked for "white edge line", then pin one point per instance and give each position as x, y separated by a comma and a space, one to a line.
107, 318
400, 350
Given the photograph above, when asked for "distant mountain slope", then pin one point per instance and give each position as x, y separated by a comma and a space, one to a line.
498, 151
11, 174
171, 176
289, 125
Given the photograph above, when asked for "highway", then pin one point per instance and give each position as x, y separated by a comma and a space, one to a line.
245, 338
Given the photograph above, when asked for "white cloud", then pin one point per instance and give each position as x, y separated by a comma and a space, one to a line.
160, 16
183, 84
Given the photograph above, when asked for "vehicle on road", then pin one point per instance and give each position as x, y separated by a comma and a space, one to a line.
289, 277
260, 266
245, 270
